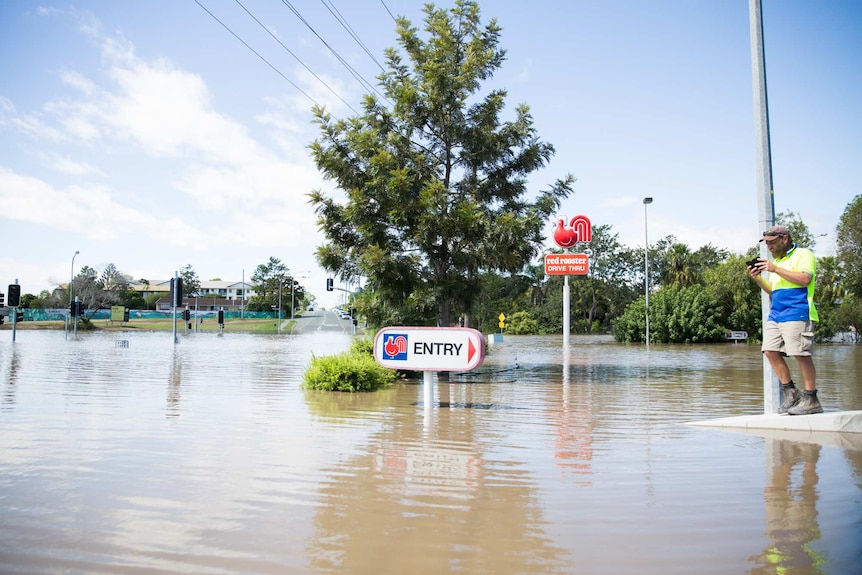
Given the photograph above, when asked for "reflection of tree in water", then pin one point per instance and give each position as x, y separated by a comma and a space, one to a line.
791, 511
10, 376
417, 503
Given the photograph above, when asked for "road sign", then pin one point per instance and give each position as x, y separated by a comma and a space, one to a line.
429, 348
567, 264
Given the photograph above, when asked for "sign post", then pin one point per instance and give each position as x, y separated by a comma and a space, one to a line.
429, 349
578, 229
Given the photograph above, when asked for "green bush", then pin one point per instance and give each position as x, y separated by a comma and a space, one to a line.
364, 345
676, 315
351, 371
520, 323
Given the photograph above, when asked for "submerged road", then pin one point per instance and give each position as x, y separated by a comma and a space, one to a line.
323, 321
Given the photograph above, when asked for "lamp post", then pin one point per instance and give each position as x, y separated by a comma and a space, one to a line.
280, 283
71, 277
647, 201
293, 284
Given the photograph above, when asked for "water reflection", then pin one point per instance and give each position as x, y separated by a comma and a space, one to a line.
207, 457
443, 504
9, 367
172, 408
790, 499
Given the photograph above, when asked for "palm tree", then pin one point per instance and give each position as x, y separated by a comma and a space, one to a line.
681, 267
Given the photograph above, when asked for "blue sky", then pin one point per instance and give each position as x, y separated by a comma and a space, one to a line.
144, 134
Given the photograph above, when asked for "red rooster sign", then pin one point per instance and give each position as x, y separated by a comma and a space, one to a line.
577, 230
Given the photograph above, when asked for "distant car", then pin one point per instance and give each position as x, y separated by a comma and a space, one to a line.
311, 308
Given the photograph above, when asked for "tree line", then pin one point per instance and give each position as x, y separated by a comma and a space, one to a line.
271, 282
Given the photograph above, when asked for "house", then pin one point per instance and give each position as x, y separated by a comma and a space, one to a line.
212, 295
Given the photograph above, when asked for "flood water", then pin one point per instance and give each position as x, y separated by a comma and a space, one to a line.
207, 457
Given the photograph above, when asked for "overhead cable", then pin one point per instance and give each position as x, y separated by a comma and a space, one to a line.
256, 53
274, 37
368, 85
341, 20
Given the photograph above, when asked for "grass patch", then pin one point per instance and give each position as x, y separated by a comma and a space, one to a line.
256, 325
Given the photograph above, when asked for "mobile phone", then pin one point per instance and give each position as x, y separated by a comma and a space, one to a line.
752, 263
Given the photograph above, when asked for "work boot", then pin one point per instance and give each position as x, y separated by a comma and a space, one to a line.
807, 405
791, 397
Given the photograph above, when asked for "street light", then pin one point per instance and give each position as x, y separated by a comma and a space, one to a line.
280, 284
647, 201
293, 284
71, 277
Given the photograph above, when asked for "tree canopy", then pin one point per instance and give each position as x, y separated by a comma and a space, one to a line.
435, 179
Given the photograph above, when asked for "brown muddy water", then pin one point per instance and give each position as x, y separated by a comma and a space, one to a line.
206, 457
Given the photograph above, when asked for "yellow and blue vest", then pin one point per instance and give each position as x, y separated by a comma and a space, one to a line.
790, 301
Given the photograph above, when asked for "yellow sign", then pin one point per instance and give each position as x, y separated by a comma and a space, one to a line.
502, 324
117, 312
502, 318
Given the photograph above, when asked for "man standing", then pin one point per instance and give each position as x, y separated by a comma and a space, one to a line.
789, 329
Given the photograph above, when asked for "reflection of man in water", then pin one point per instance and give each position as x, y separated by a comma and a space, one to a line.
791, 511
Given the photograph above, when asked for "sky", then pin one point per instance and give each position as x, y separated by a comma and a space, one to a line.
155, 135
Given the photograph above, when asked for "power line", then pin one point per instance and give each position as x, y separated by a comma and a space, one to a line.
256, 53
388, 10
341, 20
338, 56
274, 37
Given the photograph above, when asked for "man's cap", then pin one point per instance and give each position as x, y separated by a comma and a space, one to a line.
774, 232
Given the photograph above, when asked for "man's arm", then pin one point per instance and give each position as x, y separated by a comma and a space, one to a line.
798, 278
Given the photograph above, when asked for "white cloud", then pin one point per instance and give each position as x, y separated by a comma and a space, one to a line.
69, 166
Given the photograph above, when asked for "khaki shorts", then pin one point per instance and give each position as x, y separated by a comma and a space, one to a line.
789, 337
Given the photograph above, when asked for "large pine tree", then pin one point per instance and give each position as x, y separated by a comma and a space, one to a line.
435, 180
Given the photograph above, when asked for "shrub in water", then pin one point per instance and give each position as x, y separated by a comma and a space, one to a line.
354, 371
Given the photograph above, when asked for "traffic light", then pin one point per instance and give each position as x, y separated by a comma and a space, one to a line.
329, 284
73, 309
177, 292
187, 315
80, 311
14, 295
2, 299
19, 316
221, 317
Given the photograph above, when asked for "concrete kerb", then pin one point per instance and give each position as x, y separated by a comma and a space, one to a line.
842, 429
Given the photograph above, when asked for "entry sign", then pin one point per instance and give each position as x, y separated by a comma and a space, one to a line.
429, 348
567, 264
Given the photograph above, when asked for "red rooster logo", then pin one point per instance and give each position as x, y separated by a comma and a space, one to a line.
578, 230
564, 235
395, 345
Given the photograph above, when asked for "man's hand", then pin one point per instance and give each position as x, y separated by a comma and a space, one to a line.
756, 266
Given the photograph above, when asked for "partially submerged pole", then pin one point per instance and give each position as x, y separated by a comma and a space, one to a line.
765, 191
